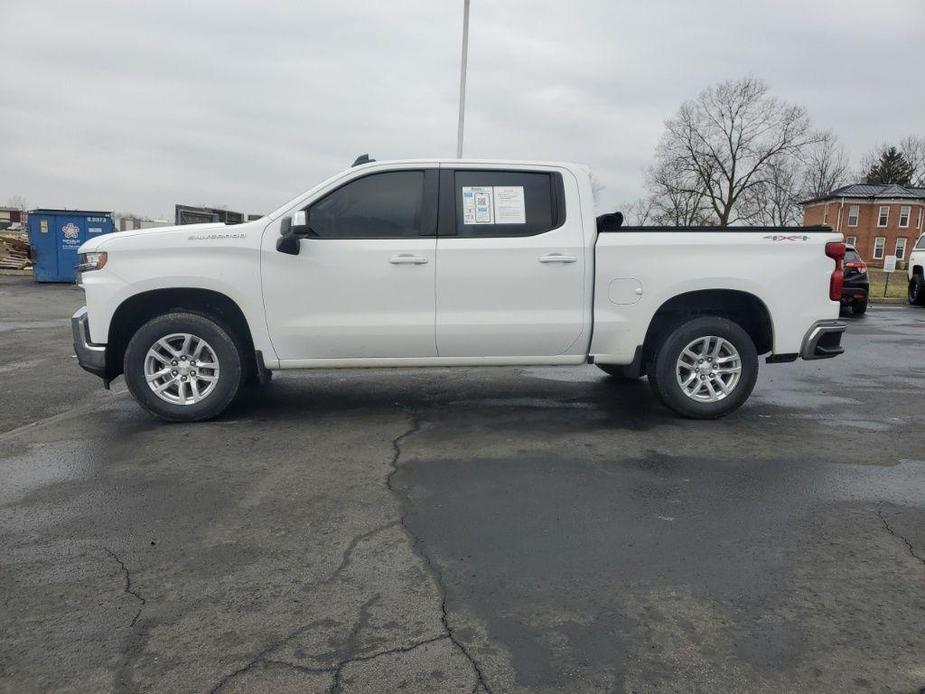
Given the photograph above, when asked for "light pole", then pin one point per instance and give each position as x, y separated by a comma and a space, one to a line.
462, 80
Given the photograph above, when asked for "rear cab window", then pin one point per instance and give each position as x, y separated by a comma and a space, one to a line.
500, 203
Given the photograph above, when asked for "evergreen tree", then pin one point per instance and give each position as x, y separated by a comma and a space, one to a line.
891, 167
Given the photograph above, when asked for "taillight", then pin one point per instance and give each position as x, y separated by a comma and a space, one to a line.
857, 265
836, 251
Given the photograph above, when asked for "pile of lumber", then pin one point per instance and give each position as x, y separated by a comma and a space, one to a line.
14, 251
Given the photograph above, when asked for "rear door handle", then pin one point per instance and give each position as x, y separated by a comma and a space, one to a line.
407, 259
557, 258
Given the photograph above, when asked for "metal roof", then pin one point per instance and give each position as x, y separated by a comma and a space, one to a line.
873, 191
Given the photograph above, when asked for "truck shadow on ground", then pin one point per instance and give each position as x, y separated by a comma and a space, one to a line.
586, 402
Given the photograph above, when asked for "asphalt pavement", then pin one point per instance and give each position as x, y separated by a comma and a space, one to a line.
462, 530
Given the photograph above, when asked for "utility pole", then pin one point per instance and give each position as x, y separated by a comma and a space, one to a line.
462, 80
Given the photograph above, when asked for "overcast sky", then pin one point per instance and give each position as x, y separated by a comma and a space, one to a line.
135, 106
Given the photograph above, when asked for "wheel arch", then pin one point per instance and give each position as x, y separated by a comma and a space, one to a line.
741, 307
138, 309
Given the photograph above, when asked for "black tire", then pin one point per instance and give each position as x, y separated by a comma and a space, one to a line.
617, 372
225, 347
917, 290
859, 306
665, 383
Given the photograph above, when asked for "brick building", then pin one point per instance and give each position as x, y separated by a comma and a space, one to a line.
879, 220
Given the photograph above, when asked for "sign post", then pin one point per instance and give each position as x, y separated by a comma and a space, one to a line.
889, 267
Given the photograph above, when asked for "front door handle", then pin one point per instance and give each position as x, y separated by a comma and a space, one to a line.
557, 258
407, 259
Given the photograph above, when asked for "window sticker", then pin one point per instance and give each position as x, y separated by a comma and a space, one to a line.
478, 205
494, 205
509, 205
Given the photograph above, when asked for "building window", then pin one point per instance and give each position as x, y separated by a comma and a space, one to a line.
825, 214
921, 215
853, 215
900, 248
884, 216
879, 244
904, 213
851, 240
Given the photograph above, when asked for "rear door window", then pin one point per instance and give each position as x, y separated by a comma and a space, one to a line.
501, 203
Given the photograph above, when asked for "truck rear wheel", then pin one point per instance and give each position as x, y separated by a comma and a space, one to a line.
705, 368
917, 290
183, 367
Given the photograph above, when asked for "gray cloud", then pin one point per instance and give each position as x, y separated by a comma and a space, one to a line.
135, 106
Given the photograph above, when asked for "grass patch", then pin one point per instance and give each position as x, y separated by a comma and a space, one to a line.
899, 283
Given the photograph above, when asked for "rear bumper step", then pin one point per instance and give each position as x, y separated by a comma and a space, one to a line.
823, 340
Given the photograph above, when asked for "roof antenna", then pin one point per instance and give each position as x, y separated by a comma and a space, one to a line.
362, 159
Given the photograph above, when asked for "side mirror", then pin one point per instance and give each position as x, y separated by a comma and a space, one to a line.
291, 231
299, 223
289, 244
296, 224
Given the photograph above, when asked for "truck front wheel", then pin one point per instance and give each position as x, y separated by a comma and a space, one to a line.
183, 367
705, 368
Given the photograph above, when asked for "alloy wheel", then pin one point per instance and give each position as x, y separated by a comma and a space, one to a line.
181, 369
708, 369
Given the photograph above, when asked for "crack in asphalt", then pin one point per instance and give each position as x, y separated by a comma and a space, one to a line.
128, 585
334, 671
417, 548
895, 534
345, 561
339, 668
352, 644
347, 556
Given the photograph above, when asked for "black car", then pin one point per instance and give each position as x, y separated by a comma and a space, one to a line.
856, 285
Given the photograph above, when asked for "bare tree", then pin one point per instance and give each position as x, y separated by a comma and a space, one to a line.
913, 147
17, 202
825, 166
638, 212
673, 201
722, 144
596, 189
775, 200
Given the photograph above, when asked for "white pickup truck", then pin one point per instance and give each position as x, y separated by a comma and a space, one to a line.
453, 263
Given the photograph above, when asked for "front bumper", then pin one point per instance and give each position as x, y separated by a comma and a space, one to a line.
90, 356
823, 340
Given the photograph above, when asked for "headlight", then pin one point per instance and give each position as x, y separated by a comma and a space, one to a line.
92, 261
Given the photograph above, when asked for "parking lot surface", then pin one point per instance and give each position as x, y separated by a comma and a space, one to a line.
498, 530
